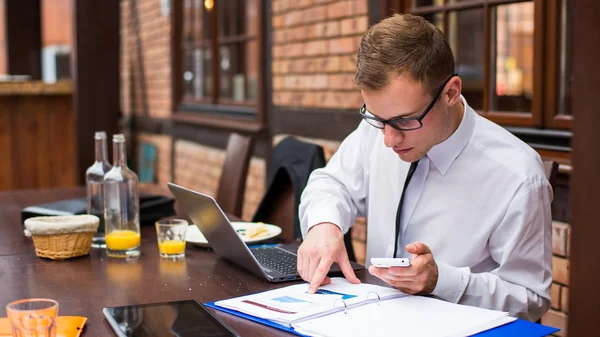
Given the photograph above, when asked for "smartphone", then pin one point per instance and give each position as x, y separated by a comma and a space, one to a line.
381, 262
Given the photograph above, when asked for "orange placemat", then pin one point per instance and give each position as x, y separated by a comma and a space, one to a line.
67, 326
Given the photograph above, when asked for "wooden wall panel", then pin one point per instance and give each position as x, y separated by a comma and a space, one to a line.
37, 139
6, 173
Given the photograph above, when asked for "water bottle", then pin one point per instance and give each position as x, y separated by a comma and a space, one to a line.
94, 178
121, 205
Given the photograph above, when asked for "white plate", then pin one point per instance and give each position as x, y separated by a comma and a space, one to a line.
194, 236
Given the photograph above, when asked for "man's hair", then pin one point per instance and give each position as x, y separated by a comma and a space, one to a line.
403, 44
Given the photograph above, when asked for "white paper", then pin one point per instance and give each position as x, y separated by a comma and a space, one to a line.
406, 316
293, 303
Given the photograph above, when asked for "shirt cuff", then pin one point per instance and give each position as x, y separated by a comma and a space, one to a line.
320, 214
451, 283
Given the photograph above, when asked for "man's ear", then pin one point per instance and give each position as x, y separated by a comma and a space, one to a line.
454, 89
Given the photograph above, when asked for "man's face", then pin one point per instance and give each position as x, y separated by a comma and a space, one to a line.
404, 97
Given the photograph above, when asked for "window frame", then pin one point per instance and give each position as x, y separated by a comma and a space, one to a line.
218, 112
546, 48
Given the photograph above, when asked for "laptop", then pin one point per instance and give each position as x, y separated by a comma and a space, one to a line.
275, 263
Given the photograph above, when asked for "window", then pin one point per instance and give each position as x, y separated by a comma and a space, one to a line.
219, 46
513, 56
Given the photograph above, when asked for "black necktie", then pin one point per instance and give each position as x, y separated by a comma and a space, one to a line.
411, 171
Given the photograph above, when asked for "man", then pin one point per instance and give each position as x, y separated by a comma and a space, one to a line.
460, 196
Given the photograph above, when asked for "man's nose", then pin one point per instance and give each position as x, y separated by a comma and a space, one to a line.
391, 136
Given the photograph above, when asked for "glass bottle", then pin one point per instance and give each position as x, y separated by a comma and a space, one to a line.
94, 178
121, 205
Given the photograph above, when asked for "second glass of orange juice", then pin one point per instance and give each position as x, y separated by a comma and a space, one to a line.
171, 238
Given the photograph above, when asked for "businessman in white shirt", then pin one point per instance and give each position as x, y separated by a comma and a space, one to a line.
475, 215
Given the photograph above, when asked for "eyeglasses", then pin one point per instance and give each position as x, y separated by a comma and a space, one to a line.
402, 123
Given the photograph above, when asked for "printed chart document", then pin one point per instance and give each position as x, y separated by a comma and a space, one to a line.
345, 309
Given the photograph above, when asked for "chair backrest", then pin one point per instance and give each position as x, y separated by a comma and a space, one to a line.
551, 170
292, 162
283, 209
232, 185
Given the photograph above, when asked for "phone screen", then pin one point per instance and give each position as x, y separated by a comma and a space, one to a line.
182, 319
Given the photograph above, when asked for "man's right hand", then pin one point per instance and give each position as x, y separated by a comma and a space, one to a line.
323, 245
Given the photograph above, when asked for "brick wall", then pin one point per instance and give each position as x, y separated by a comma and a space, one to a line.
145, 59
314, 52
163, 152
199, 167
557, 316
146, 92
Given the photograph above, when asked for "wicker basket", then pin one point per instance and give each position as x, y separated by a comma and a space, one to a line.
62, 246
62, 237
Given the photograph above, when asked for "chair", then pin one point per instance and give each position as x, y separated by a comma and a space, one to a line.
292, 162
551, 170
232, 185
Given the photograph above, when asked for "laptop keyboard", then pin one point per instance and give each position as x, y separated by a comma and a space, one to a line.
276, 259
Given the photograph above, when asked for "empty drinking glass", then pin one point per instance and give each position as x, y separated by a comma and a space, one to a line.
33, 317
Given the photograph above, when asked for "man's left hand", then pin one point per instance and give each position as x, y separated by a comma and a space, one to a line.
420, 278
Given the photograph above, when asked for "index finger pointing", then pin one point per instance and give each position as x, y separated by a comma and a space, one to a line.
319, 275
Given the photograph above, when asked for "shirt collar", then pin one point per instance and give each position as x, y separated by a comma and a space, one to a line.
442, 155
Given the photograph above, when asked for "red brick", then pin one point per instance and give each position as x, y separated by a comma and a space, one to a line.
285, 5
559, 238
329, 64
292, 50
348, 63
291, 82
277, 21
309, 65
285, 98
275, 6
293, 18
564, 299
556, 319
277, 82
356, 25
560, 270
320, 29
317, 47
309, 99
555, 296
341, 81
316, 81
342, 46
314, 14
332, 29
361, 6
297, 66
340, 9
305, 32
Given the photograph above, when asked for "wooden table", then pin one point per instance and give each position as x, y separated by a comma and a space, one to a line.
85, 285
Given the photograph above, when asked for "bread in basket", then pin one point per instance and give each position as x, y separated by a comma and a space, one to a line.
62, 237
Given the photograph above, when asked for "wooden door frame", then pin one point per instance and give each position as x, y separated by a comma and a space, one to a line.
584, 295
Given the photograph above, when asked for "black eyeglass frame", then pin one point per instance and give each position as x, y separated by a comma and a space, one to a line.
392, 121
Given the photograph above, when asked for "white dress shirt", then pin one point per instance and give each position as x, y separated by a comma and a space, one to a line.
480, 200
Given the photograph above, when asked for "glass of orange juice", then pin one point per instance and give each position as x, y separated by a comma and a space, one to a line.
171, 238
123, 243
33, 317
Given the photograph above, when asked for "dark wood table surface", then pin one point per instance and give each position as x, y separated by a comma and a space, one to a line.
84, 286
